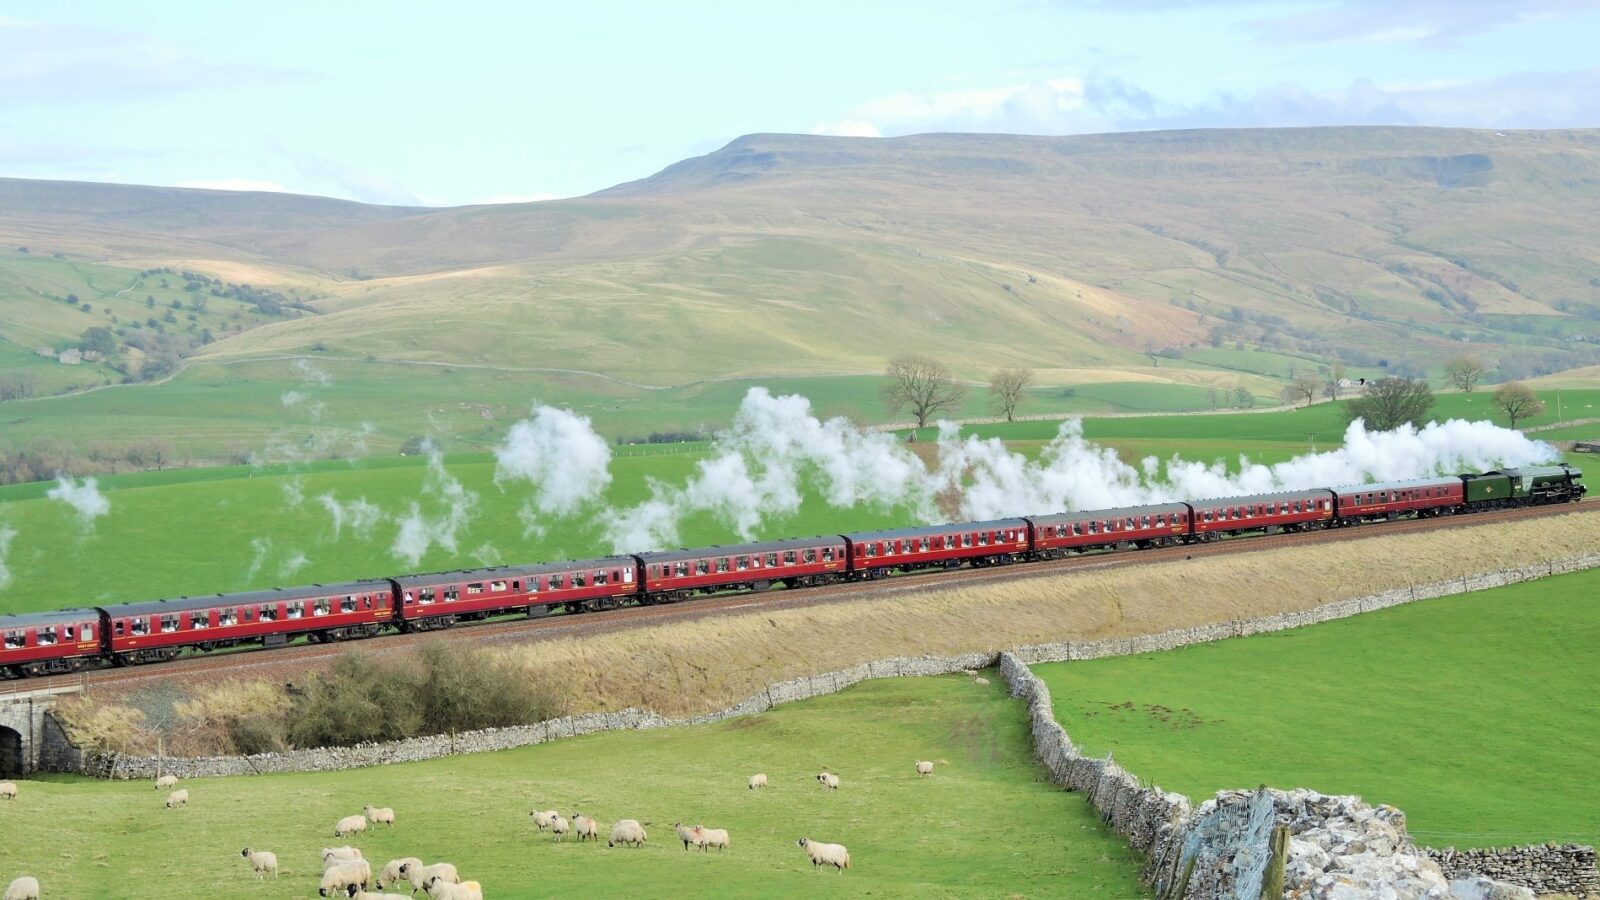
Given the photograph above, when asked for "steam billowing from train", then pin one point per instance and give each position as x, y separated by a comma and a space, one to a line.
558, 452
7, 533
439, 517
83, 496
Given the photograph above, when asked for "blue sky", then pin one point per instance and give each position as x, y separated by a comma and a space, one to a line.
493, 102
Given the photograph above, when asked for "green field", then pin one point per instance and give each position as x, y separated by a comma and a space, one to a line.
985, 824
1475, 714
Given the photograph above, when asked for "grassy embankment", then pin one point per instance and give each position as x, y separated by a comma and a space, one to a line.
986, 824
1472, 713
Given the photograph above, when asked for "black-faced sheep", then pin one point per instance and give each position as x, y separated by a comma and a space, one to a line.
166, 782
627, 831
828, 780
711, 837
685, 833
24, 888
337, 878
379, 815
585, 827
419, 876
924, 767
178, 798
350, 825
8, 790
332, 855
560, 827
439, 889
544, 818
758, 781
394, 870
261, 861
826, 854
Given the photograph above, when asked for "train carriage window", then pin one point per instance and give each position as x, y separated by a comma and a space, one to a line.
475, 587
872, 548
722, 564
366, 602
497, 585
200, 619
452, 594
926, 543
1077, 528
321, 606
811, 554
579, 579
14, 639
87, 633
600, 578
428, 596
789, 558
169, 623
270, 613
702, 567
742, 562
966, 539
557, 582
627, 576
681, 569
141, 625
1147, 521
226, 617
772, 560
1207, 515
983, 539
45, 636
348, 603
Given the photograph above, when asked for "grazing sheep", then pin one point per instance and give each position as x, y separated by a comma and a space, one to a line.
826, 854
560, 826
179, 797
685, 833
758, 781
24, 888
924, 767
331, 855
440, 889
393, 870
261, 861
544, 818
418, 875
166, 782
711, 837
8, 790
627, 831
355, 893
379, 815
350, 825
586, 827
981, 681
828, 780
337, 878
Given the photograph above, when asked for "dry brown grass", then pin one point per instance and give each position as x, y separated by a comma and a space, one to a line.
695, 667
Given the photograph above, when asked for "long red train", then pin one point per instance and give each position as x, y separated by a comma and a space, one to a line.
159, 630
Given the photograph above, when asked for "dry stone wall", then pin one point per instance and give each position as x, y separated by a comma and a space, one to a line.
1547, 868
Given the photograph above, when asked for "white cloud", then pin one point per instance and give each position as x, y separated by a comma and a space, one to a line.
236, 184
84, 497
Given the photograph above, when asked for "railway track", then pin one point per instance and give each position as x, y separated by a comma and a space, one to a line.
298, 658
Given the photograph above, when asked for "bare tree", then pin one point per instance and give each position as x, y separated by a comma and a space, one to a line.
1304, 387
1007, 388
1465, 371
1243, 397
1335, 381
922, 385
1517, 401
1212, 395
1391, 402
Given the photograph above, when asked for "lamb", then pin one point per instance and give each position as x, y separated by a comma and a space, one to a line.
826, 854
261, 861
586, 827
331, 855
8, 790
440, 889
544, 818
350, 825
758, 781
828, 780
24, 888
179, 797
924, 767
392, 870
711, 837
627, 831
419, 875
379, 815
356, 893
337, 878
167, 782
560, 826
685, 833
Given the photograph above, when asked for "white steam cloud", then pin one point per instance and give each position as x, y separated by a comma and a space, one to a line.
260, 547
359, 515
293, 564
7, 533
84, 497
293, 491
421, 530
560, 454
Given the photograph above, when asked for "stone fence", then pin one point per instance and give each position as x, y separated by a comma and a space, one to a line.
1546, 868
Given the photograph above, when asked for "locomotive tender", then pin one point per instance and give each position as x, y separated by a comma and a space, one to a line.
159, 630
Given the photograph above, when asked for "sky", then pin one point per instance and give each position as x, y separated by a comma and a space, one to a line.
483, 102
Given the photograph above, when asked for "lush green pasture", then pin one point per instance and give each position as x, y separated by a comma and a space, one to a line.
985, 824
1474, 714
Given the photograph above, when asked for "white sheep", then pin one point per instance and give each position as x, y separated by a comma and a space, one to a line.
337, 878
350, 825
711, 837
758, 781
981, 681
24, 888
332, 855
924, 767
685, 833
586, 827
627, 831
544, 818
261, 861
560, 826
355, 893
392, 870
418, 876
440, 889
166, 782
379, 815
8, 790
826, 854
179, 797
828, 780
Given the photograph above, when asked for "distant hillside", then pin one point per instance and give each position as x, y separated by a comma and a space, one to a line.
1167, 254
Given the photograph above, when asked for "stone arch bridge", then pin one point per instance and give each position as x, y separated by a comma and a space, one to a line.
29, 738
